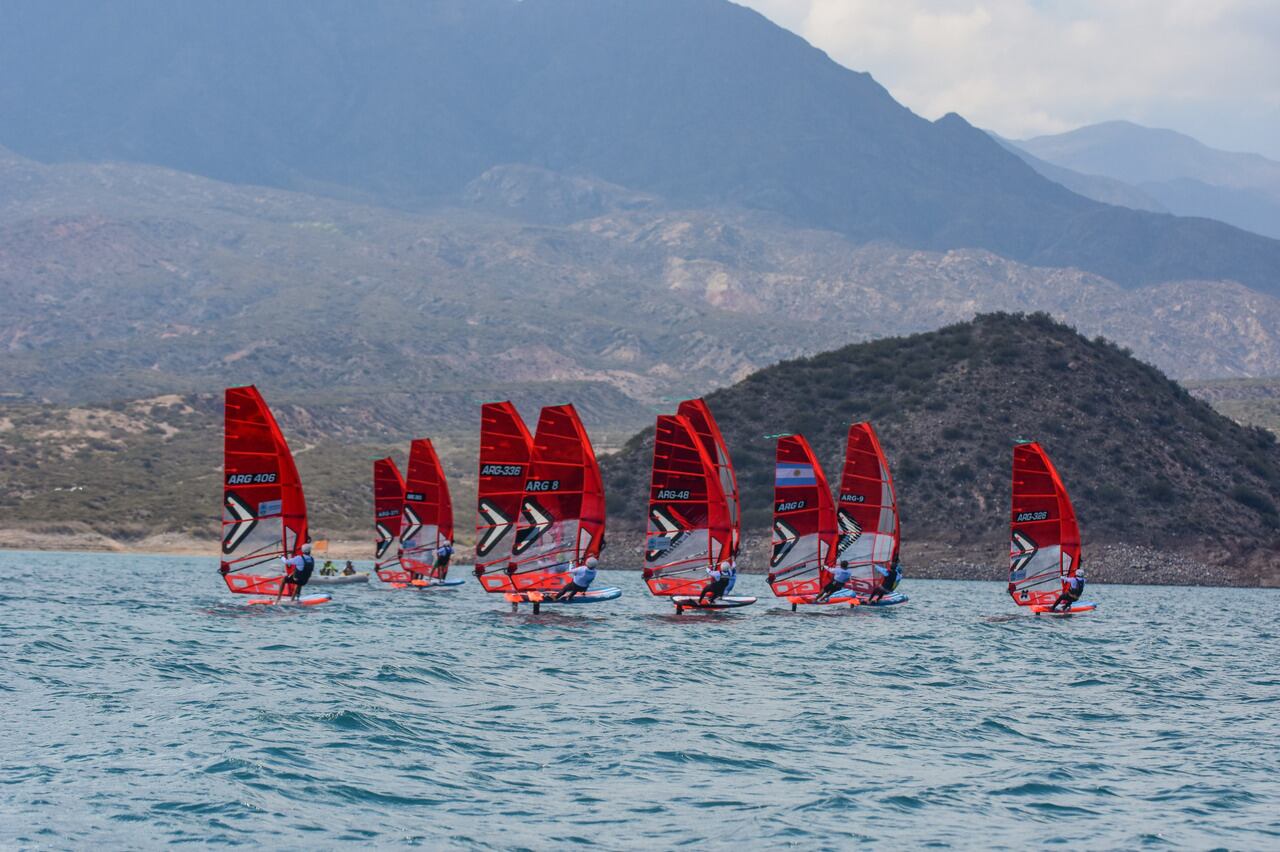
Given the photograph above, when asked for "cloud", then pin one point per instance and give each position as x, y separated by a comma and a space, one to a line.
1210, 68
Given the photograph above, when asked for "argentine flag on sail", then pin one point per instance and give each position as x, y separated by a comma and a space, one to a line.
795, 474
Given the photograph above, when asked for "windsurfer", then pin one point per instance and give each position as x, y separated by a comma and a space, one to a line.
733, 575
1072, 589
440, 570
582, 576
840, 577
298, 569
892, 575
719, 584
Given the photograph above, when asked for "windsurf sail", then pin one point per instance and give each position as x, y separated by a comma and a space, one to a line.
388, 501
562, 512
867, 512
505, 450
708, 432
804, 521
689, 526
1044, 545
264, 513
427, 522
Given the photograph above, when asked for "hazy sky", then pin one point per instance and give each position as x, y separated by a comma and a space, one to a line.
1209, 68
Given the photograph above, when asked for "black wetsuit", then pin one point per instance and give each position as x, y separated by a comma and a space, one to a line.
714, 589
836, 584
1070, 594
441, 567
301, 576
887, 585
569, 591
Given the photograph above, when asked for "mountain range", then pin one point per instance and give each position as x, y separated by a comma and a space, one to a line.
1145, 168
699, 102
128, 282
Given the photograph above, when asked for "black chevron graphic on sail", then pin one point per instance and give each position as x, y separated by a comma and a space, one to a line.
537, 521
243, 522
850, 531
787, 537
1024, 551
384, 540
497, 526
670, 533
412, 525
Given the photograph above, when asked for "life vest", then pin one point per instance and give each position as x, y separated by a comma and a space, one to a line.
308, 565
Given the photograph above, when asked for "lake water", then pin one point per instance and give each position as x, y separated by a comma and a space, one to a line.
142, 704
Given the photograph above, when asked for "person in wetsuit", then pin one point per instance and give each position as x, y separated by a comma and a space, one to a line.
298, 570
840, 577
349, 570
583, 576
1072, 589
719, 584
892, 575
733, 575
440, 570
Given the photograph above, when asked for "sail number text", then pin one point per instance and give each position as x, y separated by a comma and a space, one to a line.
250, 478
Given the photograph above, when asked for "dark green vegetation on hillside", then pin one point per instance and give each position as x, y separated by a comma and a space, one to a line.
116, 474
1146, 463
700, 102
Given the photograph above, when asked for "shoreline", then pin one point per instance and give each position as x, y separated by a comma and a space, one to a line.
1109, 564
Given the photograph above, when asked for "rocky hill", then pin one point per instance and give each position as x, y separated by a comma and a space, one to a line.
703, 103
1166, 488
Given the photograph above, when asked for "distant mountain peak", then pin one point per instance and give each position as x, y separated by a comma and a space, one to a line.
702, 102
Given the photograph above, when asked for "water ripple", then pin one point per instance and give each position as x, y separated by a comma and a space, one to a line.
440, 720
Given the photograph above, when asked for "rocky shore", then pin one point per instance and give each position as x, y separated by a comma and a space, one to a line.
1105, 563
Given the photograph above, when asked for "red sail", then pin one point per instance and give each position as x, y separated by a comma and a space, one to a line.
708, 432
505, 450
562, 513
868, 510
689, 526
264, 515
1044, 546
388, 501
804, 521
428, 512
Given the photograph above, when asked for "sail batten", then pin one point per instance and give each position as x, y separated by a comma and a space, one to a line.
427, 516
562, 512
1044, 543
388, 505
264, 512
867, 512
708, 432
506, 448
689, 523
804, 521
